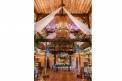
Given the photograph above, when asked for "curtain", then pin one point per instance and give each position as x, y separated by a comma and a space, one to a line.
51, 36
84, 28
45, 21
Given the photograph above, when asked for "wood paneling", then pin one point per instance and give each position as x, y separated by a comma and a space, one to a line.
66, 19
73, 6
78, 8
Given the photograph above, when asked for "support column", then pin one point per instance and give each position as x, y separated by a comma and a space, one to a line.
54, 58
46, 57
70, 62
79, 66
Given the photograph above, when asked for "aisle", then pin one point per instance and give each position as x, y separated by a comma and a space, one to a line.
62, 76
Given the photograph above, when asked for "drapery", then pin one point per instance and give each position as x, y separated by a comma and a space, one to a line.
40, 25
45, 21
72, 36
53, 35
84, 28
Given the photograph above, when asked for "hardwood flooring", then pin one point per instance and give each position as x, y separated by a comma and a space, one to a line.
62, 76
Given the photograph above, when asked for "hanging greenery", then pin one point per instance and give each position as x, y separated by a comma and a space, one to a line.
37, 38
77, 36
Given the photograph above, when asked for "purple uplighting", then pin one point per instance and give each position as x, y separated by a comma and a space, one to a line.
73, 27
51, 26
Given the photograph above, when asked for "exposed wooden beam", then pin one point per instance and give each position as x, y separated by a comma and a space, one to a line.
88, 21
89, 13
35, 11
62, 6
43, 15
37, 18
40, 16
90, 10
65, 40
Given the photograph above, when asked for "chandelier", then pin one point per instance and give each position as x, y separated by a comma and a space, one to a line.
62, 31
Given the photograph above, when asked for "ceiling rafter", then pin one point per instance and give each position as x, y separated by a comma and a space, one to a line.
73, 6
44, 15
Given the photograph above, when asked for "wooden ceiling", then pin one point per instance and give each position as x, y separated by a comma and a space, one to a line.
73, 6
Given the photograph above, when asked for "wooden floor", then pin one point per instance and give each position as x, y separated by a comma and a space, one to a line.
62, 76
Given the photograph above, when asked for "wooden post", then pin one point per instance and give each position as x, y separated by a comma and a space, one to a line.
45, 59
79, 62
54, 58
46, 75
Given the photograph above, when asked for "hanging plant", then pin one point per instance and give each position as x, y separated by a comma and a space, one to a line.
37, 39
41, 46
77, 36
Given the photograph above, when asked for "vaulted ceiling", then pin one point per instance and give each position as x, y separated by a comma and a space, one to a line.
81, 9
73, 6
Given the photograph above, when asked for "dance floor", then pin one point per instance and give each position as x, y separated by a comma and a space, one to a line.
62, 76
